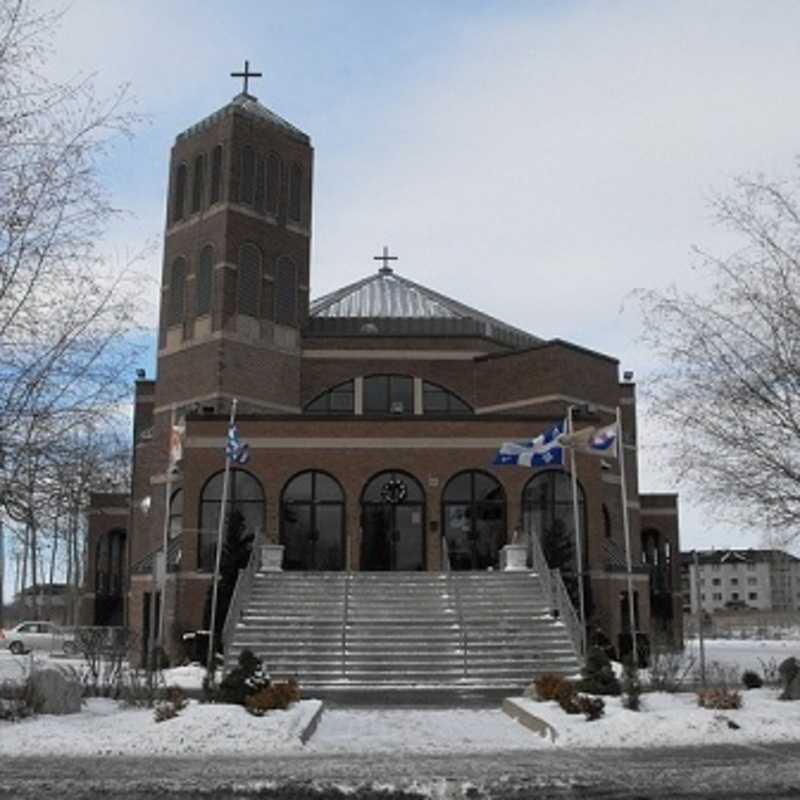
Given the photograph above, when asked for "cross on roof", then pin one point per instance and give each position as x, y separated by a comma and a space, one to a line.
246, 75
386, 258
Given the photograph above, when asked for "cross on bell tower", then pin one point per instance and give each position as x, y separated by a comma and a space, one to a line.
386, 258
246, 75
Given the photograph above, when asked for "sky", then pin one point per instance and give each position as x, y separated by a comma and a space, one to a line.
537, 160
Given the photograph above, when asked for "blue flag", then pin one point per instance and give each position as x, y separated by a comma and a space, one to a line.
235, 449
543, 451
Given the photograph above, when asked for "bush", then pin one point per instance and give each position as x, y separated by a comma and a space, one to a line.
247, 679
567, 698
141, 688
669, 667
573, 703
720, 699
631, 687
17, 700
548, 686
176, 696
277, 696
591, 707
752, 680
598, 675
164, 711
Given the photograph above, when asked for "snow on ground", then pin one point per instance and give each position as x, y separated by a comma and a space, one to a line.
746, 653
106, 728
420, 731
674, 719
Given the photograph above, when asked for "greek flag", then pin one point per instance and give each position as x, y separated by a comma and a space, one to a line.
235, 449
543, 451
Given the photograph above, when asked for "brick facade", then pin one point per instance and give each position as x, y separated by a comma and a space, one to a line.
514, 385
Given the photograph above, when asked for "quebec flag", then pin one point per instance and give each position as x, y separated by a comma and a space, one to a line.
235, 449
543, 451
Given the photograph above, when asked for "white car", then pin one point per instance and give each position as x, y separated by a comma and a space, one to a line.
40, 635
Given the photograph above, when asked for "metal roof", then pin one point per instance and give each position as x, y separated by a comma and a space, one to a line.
248, 105
386, 295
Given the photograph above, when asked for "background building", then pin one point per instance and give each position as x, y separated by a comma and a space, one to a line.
764, 580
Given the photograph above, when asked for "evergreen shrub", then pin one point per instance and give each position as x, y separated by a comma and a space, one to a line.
598, 675
631, 687
752, 680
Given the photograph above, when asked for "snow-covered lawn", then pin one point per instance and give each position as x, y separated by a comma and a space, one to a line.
673, 720
106, 728
746, 653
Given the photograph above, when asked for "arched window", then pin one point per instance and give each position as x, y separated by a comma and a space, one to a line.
438, 400
474, 520
389, 394
249, 280
248, 176
548, 513
179, 193
199, 183
244, 513
176, 514
261, 177
205, 279
273, 183
312, 522
393, 523
339, 400
285, 291
176, 291
296, 193
216, 175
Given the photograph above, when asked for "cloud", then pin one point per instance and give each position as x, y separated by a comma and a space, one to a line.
537, 161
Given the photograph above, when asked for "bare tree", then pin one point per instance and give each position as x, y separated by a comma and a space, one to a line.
727, 388
67, 316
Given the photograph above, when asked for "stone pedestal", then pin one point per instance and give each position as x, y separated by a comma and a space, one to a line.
272, 557
513, 558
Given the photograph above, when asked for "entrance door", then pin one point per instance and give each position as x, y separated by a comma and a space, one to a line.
393, 523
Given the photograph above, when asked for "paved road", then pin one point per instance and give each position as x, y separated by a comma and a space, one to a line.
718, 772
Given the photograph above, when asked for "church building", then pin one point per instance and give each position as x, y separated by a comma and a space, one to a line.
372, 415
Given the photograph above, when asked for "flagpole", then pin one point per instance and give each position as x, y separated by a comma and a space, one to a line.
210, 668
576, 519
627, 529
162, 618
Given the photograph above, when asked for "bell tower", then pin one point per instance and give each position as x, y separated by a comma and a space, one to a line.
235, 277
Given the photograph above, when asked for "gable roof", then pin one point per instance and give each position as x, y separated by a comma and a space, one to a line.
386, 295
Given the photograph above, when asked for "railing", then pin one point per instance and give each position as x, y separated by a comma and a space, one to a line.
445, 555
557, 595
244, 584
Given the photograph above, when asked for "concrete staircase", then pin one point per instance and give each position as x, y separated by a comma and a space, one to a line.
395, 630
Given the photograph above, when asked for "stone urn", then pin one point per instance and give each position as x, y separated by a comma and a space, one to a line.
513, 558
272, 557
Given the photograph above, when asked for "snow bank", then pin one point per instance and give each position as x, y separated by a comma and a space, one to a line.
105, 728
673, 720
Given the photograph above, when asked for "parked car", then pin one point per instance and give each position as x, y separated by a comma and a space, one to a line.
46, 636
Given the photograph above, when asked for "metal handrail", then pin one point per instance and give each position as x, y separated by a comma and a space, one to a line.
242, 590
445, 555
557, 596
